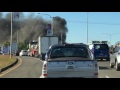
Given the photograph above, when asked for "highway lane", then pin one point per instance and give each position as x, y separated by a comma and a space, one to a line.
30, 68
106, 72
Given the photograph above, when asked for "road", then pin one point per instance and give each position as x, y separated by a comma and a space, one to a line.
106, 72
30, 68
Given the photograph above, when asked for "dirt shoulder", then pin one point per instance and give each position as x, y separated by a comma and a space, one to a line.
5, 61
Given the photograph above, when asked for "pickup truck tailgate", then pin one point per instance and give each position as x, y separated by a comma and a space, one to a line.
81, 69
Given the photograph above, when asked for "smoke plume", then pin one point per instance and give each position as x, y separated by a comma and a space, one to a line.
30, 28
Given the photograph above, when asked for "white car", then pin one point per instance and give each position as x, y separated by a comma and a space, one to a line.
115, 58
23, 53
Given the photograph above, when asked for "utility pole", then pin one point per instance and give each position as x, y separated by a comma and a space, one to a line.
11, 38
61, 38
87, 27
17, 36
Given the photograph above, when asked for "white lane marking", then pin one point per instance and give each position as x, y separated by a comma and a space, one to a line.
107, 77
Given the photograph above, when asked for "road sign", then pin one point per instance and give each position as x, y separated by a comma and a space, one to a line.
5, 50
49, 30
16, 16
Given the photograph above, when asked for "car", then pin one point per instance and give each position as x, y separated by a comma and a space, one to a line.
100, 51
69, 61
17, 52
23, 53
115, 58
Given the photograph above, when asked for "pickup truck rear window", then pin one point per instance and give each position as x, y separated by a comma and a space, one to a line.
58, 52
101, 46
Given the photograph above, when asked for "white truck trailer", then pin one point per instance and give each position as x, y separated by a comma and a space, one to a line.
44, 43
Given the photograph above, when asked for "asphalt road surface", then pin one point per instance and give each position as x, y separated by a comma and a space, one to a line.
106, 72
30, 68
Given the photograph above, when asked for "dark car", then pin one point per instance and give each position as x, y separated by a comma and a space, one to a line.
17, 52
101, 51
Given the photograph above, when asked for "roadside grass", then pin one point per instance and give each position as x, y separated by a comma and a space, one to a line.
5, 60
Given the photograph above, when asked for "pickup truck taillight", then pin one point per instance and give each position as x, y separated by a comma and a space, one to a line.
96, 71
44, 72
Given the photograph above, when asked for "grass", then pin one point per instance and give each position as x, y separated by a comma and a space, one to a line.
5, 60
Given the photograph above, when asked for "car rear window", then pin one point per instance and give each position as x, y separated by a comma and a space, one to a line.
24, 51
69, 52
101, 46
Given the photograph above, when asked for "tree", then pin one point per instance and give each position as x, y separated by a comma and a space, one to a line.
6, 43
23, 46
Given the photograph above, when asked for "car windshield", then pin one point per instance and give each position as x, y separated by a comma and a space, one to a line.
69, 52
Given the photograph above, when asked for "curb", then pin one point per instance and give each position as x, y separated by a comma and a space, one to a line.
3, 69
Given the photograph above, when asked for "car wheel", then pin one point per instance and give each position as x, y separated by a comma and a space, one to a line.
111, 66
117, 67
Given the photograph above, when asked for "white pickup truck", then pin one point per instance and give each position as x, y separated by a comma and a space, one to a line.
69, 61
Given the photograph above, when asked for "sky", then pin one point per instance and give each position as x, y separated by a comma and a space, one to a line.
101, 25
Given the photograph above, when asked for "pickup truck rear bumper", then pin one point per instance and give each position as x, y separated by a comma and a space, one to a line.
64, 77
102, 58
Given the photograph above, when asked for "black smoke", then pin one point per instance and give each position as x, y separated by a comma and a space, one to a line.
30, 28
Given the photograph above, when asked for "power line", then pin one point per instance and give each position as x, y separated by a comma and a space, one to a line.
94, 22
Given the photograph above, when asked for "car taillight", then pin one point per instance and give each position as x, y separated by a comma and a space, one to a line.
44, 72
45, 75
